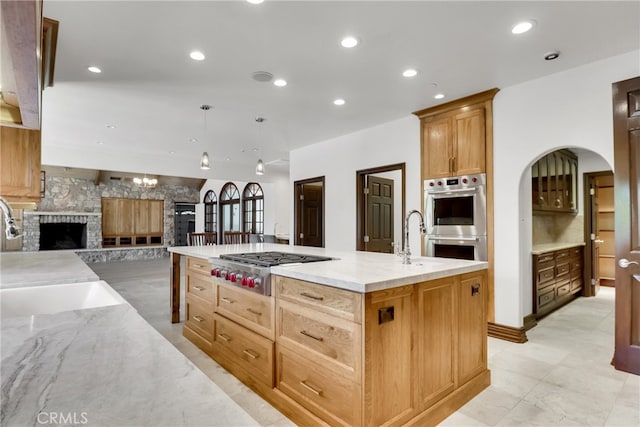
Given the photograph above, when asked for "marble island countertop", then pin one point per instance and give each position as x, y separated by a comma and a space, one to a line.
352, 270
105, 366
22, 269
550, 247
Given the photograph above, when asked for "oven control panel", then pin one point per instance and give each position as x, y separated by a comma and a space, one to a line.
454, 182
247, 277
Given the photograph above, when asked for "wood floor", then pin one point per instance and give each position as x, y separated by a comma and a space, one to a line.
561, 377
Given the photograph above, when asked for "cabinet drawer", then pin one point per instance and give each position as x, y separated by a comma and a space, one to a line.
324, 337
545, 275
329, 396
199, 318
545, 258
562, 269
576, 284
575, 266
563, 254
546, 298
201, 288
199, 265
251, 351
255, 312
563, 289
337, 302
575, 251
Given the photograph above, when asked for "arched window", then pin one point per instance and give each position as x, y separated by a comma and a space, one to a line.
210, 211
229, 208
253, 208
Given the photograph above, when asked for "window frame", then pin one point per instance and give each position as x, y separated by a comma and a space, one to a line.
229, 195
252, 204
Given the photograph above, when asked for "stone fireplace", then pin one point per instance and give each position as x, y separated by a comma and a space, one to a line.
63, 235
61, 230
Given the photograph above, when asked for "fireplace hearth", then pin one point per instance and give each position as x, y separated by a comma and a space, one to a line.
63, 235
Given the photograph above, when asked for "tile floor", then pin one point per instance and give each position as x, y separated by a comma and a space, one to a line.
561, 377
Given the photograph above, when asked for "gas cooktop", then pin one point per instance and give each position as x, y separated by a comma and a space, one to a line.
269, 259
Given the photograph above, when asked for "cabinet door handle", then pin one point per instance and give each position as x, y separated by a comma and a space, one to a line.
317, 392
199, 288
198, 265
252, 311
453, 164
227, 300
251, 354
224, 337
307, 334
450, 164
198, 318
306, 295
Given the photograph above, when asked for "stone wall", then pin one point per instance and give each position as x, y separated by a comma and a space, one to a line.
64, 194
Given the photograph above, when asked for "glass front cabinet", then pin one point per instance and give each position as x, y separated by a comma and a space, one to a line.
554, 183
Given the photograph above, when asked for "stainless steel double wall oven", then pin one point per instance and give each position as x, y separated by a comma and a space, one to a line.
456, 217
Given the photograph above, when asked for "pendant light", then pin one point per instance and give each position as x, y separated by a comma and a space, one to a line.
204, 160
260, 165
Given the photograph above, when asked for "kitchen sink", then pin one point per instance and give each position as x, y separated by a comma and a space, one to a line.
15, 302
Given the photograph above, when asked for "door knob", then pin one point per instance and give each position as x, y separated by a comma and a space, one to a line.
624, 263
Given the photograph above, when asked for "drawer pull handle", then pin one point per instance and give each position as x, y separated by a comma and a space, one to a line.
306, 295
251, 354
227, 300
198, 265
312, 389
199, 288
224, 337
198, 318
252, 311
307, 334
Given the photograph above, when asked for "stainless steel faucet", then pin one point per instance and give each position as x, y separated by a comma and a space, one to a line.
406, 253
12, 231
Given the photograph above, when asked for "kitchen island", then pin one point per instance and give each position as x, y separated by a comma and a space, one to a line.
101, 366
361, 339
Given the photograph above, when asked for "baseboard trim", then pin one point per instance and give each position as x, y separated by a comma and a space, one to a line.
507, 333
530, 321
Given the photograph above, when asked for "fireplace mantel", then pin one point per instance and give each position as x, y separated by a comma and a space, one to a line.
61, 213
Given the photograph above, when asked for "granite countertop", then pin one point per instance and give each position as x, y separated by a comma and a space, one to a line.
550, 247
22, 269
351, 270
108, 367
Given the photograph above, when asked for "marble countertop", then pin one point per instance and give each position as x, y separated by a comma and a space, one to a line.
108, 367
550, 247
22, 269
351, 270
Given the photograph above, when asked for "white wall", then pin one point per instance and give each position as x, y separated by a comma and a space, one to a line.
338, 160
568, 109
276, 202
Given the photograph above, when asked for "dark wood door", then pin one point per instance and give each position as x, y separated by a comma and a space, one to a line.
379, 215
595, 255
626, 129
310, 214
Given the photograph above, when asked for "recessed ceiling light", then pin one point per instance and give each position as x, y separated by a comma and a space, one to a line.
550, 56
197, 56
349, 42
280, 82
410, 72
99, 142
193, 139
339, 101
228, 158
522, 27
439, 96
111, 126
255, 1
172, 152
94, 69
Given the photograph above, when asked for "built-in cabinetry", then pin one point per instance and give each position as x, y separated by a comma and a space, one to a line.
19, 164
554, 183
405, 355
131, 222
557, 278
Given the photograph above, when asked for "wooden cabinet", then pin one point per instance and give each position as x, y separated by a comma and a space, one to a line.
557, 279
19, 164
554, 183
132, 222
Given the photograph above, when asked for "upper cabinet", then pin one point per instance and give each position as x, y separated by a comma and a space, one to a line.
19, 164
554, 183
454, 136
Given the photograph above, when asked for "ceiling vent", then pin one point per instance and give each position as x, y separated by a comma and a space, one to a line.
262, 76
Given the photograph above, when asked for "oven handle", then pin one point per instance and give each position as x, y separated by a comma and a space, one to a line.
457, 190
464, 239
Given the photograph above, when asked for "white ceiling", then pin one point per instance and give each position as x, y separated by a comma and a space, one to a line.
151, 90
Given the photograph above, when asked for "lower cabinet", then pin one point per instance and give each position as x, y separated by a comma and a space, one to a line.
557, 278
407, 355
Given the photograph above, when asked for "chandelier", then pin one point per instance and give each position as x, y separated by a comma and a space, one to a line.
145, 182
